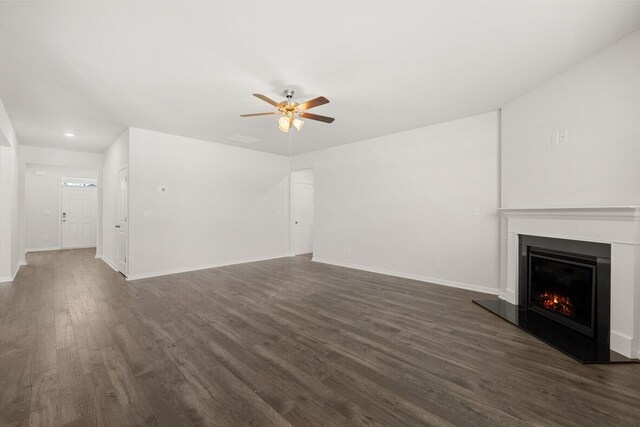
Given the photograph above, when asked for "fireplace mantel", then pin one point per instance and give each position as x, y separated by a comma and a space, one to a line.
619, 213
618, 226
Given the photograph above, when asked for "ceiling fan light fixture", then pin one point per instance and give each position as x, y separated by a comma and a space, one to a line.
284, 124
291, 110
297, 123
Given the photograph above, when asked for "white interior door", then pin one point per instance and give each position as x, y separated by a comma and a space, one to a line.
79, 216
121, 226
302, 218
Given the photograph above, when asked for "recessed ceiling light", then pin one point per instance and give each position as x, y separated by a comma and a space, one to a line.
69, 134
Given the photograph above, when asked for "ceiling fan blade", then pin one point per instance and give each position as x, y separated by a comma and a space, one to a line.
321, 100
260, 114
266, 99
317, 117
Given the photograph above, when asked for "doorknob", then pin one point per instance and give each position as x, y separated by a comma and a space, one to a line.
296, 222
117, 226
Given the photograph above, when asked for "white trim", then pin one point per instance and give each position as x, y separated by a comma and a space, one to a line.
106, 261
15, 273
570, 208
60, 211
507, 295
602, 213
50, 248
420, 278
203, 267
623, 343
57, 248
4, 279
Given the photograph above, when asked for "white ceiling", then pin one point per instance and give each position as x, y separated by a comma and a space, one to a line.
190, 68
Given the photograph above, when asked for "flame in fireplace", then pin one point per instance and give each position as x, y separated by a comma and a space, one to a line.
558, 303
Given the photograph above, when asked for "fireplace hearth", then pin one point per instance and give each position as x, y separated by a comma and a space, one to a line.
563, 297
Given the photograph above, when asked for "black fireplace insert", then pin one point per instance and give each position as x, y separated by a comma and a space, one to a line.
569, 282
563, 288
564, 297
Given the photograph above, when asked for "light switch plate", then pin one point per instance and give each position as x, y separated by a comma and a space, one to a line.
563, 136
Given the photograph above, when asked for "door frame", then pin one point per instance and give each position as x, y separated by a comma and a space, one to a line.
60, 182
115, 230
292, 231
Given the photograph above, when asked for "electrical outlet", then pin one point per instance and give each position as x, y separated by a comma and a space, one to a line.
555, 138
437, 262
476, 211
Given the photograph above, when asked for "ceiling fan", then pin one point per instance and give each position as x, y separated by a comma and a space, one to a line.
291, 111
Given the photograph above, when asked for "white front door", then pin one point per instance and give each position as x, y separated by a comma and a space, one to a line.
121, 226
302, 218
79, 216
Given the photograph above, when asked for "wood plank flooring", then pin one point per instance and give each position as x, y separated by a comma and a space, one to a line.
279, 343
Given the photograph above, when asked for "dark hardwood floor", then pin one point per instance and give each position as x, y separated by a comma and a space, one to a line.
282, 342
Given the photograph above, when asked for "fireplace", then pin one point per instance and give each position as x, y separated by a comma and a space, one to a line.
564, 297
568, 282
608, 236
563, 288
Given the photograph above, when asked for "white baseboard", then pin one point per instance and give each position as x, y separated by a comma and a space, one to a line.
508, 295
202, 267
13, 276
57, 248
622, 344
15, 273
106, 261
80, 247
50, 248
434, 280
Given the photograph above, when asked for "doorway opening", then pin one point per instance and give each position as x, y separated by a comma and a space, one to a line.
302, 209
60, 207
78, 212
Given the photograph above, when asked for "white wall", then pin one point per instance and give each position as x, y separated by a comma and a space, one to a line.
9, 186
598, 102
5, 213
57, 158
223, 204
404, 204
115, 158
42, 204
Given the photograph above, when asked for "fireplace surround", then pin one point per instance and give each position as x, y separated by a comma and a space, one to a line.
616, 228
